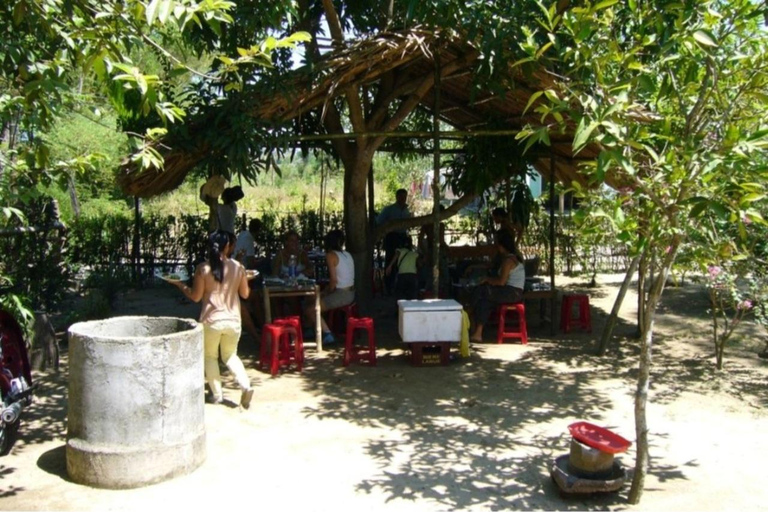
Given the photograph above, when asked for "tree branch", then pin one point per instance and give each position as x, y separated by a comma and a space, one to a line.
352, 93
177, 61
428, 219
333, 22
704, 92
410, 103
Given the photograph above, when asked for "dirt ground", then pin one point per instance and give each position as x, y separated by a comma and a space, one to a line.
479, 434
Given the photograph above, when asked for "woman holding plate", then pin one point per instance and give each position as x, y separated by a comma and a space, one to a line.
220, 283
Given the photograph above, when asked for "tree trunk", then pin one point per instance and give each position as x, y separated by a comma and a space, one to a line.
644, 375
45, 348
641, 424
73, 195
715, 330
356, 222
641, 274
611, 323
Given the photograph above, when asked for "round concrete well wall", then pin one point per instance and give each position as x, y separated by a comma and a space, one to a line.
136, 401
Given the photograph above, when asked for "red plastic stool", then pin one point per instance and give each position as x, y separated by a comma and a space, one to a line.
356, 353
275, 340
522, 331
583, 320
349, 311
295, 353
427, 294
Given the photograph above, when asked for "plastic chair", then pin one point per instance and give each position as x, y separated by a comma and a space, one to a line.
275, 347
519, 328
295, 353
354, 353
584, 318
349, 311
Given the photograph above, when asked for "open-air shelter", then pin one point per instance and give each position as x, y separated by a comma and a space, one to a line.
404, 58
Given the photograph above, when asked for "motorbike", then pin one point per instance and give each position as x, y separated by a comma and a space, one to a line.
16, 389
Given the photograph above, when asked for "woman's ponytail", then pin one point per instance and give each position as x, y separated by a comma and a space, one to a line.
217, 244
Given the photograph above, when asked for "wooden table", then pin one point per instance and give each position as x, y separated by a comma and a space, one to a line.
542, 296
281, 291
464, 287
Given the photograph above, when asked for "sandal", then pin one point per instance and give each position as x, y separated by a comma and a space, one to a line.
328, 338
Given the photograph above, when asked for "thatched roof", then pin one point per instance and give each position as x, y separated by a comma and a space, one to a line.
411, 54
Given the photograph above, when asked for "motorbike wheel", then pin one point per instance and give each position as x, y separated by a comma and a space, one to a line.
8, 435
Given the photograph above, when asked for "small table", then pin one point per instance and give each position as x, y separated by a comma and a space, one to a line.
272, 290
542, 296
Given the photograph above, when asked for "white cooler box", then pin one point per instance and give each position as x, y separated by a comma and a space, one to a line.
429, 320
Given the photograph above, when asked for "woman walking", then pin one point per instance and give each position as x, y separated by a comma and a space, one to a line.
220, 282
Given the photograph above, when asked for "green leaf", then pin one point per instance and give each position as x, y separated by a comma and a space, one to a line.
605, 4
552, 95
582, 134
532, 99
151, 11
19, 11
697, 209
543, 49
165, 10
704, 39
718, 209
751, 198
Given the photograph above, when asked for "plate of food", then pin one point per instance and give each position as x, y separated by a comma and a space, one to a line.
251, 274
171, 277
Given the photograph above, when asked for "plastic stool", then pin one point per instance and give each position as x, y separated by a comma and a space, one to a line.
275, 341
349, 311
583, 320
356, 353
522, 331
285, 345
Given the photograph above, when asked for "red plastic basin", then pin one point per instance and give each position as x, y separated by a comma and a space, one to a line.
598, 438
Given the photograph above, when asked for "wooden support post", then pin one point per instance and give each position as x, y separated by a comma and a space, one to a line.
552, 222
553, 299
436, 183
137, 240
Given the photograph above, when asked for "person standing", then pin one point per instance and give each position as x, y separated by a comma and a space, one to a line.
245, 247
227, 211
394, 239
219, 283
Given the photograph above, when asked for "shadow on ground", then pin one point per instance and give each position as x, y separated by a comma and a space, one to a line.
456, 443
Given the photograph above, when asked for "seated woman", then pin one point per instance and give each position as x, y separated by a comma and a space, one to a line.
341, 286
507, 288
290, 248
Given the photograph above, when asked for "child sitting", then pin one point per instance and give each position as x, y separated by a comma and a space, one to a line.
404, 264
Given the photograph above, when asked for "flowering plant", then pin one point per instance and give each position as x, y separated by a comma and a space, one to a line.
729, 305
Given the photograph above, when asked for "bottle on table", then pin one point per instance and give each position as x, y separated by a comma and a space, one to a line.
292, 268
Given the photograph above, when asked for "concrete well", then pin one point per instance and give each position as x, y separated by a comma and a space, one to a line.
136, 401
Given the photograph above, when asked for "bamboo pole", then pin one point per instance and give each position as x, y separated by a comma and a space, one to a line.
436, 183
397, 134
